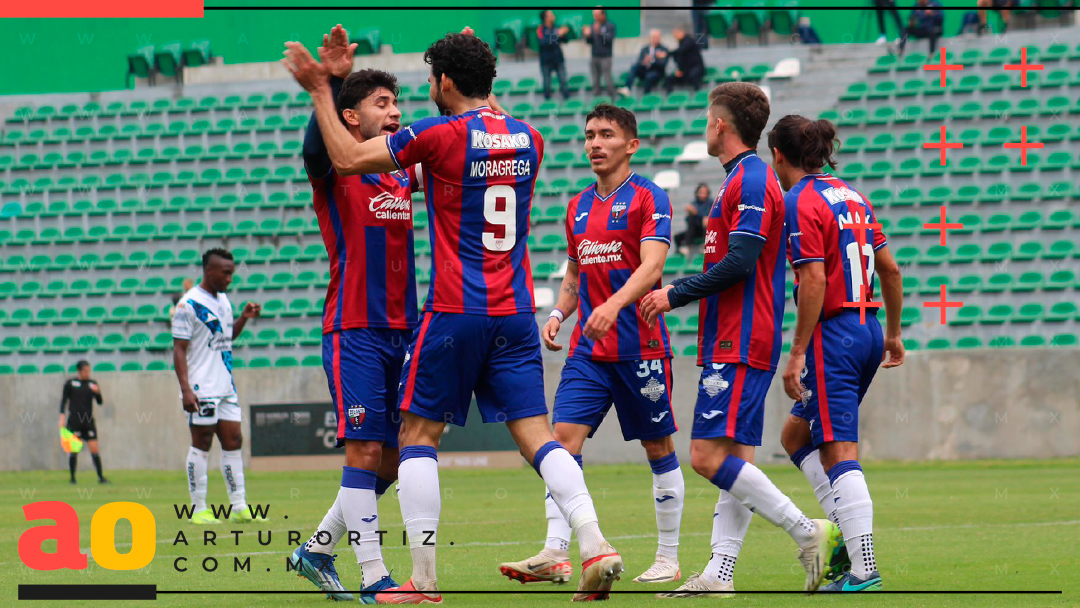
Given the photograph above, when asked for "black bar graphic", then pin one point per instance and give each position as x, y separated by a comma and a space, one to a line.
87, 592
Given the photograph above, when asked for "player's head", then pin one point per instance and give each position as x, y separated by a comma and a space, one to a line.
737, 114
218, 268
82, 369
702, 191
368, 103
610, 138
599, 15
462, 67
547, 17
800, 146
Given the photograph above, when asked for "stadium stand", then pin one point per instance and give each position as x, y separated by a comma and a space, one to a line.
108, 203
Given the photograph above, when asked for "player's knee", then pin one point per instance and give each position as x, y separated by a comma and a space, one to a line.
703, 462
657, 448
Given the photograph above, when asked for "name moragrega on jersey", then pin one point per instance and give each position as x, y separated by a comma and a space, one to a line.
479, 170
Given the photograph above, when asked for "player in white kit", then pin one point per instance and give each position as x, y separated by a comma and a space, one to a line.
203, 332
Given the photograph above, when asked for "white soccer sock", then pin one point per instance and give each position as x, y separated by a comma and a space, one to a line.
566, 482
855, 514
420, 499
361, 514
197, 462
752, 487
668, 493
819, 480
330, 531
558, 531
232, 469
730, 522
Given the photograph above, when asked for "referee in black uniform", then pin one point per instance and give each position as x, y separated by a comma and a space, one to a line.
81, 391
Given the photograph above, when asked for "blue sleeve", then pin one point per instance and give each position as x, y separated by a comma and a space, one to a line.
316, 159
742, 255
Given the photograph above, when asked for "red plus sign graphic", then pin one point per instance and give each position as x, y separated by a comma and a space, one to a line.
943, 145
1023, 66
943, 304
498, 230
862, 304
943, 67
942, 226
1023, 145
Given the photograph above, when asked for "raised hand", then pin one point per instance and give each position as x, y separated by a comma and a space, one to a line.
336, 53
310, 74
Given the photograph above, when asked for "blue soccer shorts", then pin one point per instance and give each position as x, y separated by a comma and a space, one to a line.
363, 366
731, 402
640, 391
841, 360
454, 355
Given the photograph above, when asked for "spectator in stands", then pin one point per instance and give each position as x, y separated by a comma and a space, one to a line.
689, 66
601, 38
926, 21
551, 57
651, 65
1001, 6
697, 215
806, 32
701, 25
888, 6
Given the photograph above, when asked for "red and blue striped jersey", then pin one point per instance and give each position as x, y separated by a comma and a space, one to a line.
366, 224
604, 236
820, 210
742, 324
479, 171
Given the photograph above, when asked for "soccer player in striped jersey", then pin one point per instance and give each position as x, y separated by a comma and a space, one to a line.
836, 248
742, 306
368, 318
619, 231
478, 334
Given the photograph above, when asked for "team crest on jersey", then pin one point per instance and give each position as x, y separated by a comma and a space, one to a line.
401, 177
653, 389
356, 414
714, 383
617, 210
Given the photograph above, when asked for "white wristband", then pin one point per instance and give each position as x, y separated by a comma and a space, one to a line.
557, 314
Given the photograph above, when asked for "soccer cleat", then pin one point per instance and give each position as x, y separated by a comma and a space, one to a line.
698, 586
408, 595
204, 518
598, 574
367, 594
849, 583
815, 554
664, 570
244, 516
542, 568
839, 561
319, 569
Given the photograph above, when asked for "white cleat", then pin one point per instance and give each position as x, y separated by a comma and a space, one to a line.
598, 574
698, 586
816, 553
539, 569
664, 570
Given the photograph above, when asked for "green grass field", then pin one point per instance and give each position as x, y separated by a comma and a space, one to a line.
987, 525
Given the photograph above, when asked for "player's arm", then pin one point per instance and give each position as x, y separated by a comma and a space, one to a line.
187, 396
653, 253
811, 300
96, 389
736, 265
347, 156
892, 293
316, 158
64, 397
564, 307
251, 310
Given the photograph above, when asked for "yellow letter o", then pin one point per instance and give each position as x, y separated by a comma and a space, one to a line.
103, 536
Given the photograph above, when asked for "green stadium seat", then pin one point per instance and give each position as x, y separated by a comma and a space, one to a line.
1029, 313
998, 282
969, 342
1033, 341
1064, 340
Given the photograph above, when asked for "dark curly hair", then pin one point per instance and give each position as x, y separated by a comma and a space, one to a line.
216, 252
467, 60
